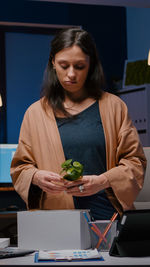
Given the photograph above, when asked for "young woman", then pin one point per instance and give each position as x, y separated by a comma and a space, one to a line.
76, 119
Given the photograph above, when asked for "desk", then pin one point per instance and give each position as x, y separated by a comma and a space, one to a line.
28, 260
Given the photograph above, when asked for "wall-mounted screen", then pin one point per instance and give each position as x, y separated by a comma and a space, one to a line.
6, 154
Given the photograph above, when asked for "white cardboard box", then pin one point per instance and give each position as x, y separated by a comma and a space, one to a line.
4, 242
53, 229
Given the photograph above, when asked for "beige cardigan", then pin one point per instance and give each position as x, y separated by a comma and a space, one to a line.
40, 147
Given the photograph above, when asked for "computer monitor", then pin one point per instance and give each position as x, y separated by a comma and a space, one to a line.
6, 154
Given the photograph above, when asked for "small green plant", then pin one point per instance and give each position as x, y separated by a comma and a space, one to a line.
73, 171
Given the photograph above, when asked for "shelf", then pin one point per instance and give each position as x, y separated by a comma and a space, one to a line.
130, 90
10, 188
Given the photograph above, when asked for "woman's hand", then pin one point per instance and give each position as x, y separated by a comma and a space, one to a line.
48, 181
91, 184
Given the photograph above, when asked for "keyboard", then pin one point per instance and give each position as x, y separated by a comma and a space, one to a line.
14, 252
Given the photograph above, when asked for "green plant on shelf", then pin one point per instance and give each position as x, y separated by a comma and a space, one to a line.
137, 73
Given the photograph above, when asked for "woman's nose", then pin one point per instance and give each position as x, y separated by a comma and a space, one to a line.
71, 73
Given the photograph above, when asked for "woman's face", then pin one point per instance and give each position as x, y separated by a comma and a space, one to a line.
72, 66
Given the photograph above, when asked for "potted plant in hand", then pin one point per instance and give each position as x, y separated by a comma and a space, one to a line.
73, 170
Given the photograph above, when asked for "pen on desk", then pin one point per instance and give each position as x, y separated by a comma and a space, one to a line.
95, 228
107, 228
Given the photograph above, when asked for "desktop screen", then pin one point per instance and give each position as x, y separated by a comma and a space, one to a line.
6, 154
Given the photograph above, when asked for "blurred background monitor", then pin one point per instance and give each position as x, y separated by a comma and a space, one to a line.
6, 154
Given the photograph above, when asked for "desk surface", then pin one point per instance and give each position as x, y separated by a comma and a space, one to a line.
28, 260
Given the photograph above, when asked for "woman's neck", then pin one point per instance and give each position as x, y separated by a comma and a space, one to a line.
76, 97
75, 107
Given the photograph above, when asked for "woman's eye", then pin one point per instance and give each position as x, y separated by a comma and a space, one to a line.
79, 67
64, 67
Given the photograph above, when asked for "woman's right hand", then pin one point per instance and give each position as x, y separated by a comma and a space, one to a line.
49, 182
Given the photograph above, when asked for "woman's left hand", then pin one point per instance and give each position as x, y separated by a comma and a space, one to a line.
91, 184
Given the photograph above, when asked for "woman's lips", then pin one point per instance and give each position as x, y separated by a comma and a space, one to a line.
70, 82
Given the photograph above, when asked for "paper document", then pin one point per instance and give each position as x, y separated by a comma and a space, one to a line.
69, 254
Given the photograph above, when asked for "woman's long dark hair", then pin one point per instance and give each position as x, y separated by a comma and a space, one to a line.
95, 82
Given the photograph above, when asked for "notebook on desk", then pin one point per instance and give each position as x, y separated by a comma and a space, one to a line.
133, 237
68, 255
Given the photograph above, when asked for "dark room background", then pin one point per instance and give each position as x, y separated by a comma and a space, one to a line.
26, 29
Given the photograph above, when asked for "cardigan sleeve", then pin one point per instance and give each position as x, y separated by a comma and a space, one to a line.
126, 178
23, 167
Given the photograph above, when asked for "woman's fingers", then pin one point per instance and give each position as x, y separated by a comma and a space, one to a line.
91, 184
49, 181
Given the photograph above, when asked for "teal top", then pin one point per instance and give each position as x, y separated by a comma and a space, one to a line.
83, 140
